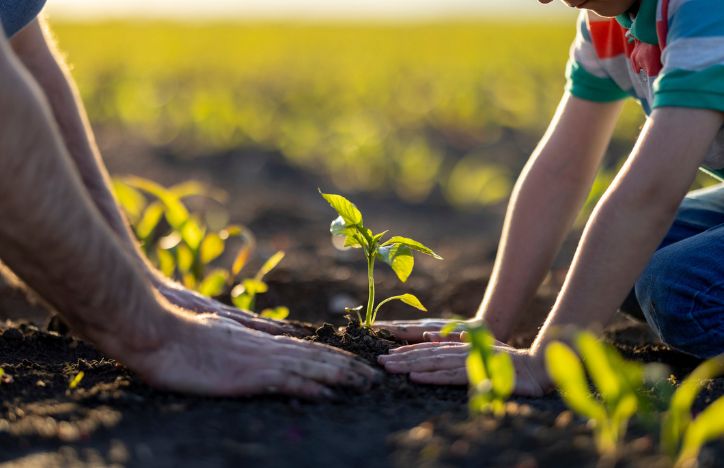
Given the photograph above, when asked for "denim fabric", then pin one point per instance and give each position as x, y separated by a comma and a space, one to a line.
681, 291
15, 14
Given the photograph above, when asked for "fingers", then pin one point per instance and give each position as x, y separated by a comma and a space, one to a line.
410, 331
456, 376
326, 373
319, 353
428, 364
438, 337
428, 345
277, 381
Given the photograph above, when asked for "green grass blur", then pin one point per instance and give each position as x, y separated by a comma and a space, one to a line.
399, 107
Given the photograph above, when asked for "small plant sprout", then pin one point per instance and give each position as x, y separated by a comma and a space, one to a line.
681, 436
185, 247
5, 378
396, 252
244, 294
491, 374
618, 382
76, 380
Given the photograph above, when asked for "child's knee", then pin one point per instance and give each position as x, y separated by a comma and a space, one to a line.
682, 314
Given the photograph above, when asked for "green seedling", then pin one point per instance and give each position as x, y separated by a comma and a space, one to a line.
396, 252
491, 374
681, 436
619, 384
244, 294
185, 248
76, 380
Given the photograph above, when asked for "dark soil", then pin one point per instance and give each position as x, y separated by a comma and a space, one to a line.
112, 418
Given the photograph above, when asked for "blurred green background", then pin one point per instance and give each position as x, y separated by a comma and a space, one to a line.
407, 107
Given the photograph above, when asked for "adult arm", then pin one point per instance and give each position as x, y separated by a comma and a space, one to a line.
37, 52
545, 201
626, 227
54, 238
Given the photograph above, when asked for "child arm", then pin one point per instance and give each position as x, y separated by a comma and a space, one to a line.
633, 216
545, 202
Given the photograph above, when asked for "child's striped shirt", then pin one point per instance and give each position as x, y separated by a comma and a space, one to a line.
670, 54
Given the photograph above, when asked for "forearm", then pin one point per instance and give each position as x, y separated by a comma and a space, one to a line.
51, 235
541, 212
632, 218
547, 198
38, 54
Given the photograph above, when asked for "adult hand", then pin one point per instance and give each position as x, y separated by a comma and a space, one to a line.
417, 331
443, 363
186, 299
210, 355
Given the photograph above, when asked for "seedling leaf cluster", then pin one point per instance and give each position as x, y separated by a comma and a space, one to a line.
183, 245
629, 388
491, 374
397, 252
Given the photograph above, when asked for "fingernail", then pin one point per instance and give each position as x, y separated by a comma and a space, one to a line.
382, 358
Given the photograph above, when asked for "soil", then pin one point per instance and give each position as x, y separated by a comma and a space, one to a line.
113, 418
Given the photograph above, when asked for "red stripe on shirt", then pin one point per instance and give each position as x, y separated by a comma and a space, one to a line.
608, 37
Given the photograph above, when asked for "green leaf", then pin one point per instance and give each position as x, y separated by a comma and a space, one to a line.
76, 380
340, 228
130, 199
211, 247
450, 327
567, 373
503, 374
408, 299
189, 281
176, 212
399, 258
277, 313
595, 358
166, 262
476, 370
241, 258
481, 340
708, 426
242, 301
192, 233
677, 419
149, 220
377, 237
345, 208
254, 286
351, 241
413, 244
350, 233
269, 265
189, 189
214, 283
184, 258
233, 230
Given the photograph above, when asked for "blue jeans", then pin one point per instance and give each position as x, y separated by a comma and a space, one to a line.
681, 291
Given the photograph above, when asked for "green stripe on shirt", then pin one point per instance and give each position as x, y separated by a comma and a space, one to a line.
701, 89
585, 85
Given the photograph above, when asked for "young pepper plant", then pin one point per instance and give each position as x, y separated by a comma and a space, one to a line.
186, 247
681, 436
619, 383
491, 374
396, 252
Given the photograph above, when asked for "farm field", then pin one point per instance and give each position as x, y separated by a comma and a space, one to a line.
424, 127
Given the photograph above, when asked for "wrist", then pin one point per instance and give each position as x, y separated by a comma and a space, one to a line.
138, 330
